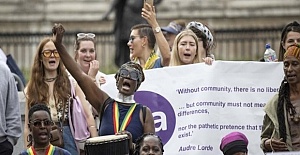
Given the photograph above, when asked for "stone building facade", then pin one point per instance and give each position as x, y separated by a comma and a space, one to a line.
86, 15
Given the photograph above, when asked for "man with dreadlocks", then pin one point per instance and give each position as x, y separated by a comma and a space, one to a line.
281, 124
121, 115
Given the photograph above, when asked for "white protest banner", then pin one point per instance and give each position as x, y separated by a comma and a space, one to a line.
194, 106
284, 153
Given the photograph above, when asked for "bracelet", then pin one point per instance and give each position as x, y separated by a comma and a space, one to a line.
92, 126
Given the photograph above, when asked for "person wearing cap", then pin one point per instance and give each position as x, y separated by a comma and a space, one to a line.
170, 31
281, 123
205, 40
234, 143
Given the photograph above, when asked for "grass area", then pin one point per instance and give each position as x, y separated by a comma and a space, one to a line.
110, 69
26, 73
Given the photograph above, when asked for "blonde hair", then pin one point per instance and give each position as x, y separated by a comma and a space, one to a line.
77, 46
175, 59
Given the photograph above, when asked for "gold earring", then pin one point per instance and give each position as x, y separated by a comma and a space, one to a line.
29, 138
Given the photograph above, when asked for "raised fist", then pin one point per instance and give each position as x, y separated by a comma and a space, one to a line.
58, 33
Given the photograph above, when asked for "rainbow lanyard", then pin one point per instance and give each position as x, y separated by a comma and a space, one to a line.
49, 151
116, 116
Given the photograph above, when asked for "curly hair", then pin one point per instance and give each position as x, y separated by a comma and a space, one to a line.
37, 89
38, 107
140, 140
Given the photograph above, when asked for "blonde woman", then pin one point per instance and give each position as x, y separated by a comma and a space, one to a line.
86, 57
205, 41
185, 49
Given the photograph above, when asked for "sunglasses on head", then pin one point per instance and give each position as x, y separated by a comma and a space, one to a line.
39, 123
48, 53
85, 35
131, 74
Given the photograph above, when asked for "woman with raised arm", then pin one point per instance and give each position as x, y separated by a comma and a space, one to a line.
142, 40
128, 79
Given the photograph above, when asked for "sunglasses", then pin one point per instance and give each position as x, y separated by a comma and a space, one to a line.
131, 38
40, 123
85, 35
131, 74
48, 53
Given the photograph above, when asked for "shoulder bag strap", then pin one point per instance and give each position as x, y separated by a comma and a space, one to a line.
64, 109
72, 88
63, 116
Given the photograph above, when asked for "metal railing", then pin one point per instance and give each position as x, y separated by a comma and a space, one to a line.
22, 46
231, 44
245, 44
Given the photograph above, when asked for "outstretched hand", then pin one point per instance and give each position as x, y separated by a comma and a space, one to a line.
149, 14
58, 32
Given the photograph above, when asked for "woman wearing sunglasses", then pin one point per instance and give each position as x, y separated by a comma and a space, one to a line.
39, 127
143, 38
50, 84
128, 117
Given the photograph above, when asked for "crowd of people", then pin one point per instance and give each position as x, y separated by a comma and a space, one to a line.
55, 71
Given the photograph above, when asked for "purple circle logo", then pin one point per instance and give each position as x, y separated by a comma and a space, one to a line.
162, 111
